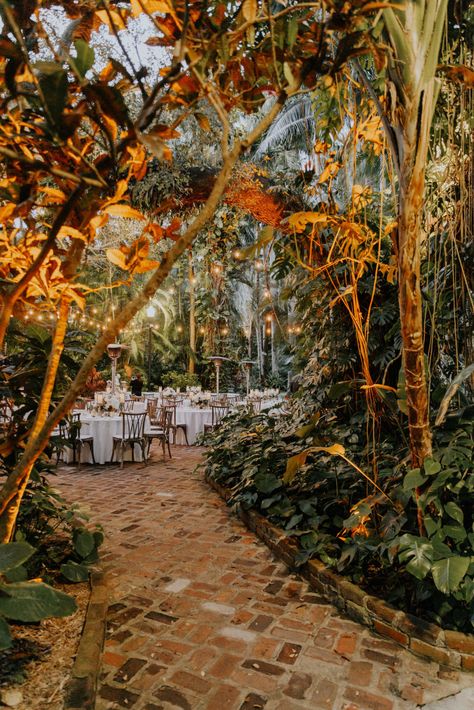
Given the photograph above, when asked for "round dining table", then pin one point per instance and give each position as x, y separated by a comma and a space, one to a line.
103, 428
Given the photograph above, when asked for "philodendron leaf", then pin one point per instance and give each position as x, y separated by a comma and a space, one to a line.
431, 466
75, 572
417, 552
266, 482
84, 543
454, 511
413, 479
449, 573
13, 554
33, 601
5, 636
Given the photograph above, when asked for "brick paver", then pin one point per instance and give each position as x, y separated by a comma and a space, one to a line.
203, 617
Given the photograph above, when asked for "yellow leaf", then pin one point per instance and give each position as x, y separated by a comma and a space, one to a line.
148, 7
299, 220
145, 265
294, 463
329, 172
361, 196
249, 10
72, 233
56, 197
117, 257
203, 121
123, 211
114, 19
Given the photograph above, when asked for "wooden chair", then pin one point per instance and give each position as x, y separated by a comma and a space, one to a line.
133, 432
151, 406
70, 438
160, 429
172, 404
219, 411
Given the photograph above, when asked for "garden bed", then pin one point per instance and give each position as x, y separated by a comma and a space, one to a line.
452, 649
43, 657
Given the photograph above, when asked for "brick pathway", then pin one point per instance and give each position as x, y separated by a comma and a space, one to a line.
203, 617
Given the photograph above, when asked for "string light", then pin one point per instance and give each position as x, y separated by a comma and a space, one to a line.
237, 254
269, 317
259, 265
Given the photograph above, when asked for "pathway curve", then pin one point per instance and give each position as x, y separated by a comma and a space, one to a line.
203, 617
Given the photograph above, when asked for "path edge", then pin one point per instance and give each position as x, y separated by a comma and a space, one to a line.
81, 690
451, 649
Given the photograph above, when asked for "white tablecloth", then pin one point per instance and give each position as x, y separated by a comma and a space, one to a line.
103, 430
194, 418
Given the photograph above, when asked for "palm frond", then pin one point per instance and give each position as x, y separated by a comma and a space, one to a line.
295, 126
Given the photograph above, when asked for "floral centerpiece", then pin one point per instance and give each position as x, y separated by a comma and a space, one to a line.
168, 392
200, 399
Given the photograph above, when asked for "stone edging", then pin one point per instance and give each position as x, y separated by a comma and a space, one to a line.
82, 687
449, 648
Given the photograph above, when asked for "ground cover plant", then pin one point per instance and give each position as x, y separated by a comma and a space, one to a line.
306, 473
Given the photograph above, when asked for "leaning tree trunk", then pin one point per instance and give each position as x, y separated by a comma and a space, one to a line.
192, 316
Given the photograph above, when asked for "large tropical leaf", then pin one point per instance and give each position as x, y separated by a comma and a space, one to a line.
449, 573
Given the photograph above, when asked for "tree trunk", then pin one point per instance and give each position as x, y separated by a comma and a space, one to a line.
412, 185
10, 513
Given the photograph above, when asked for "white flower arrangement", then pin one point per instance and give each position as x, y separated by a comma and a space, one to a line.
193, 390
200, 399
168, 392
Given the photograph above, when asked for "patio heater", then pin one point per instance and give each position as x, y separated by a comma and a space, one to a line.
150, 314
218, 360
247, 364
113, 351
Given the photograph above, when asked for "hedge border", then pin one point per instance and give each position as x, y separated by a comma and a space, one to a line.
452, 649
81, 689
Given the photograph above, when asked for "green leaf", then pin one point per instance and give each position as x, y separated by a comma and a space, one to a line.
454, 511
431, 466
13, 554
84, 57
5, 636
54, 87
419, 553
449, 573
75, 572
84, 543
17, 574
33, 601
455, 532
266, 482
413, 479
292, 31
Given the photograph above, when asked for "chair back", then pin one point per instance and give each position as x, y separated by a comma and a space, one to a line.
170, 405
219, 411
70, 428
133, 425
151, 405
128, 405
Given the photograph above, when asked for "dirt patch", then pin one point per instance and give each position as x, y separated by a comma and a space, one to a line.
43, 655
